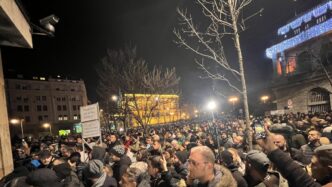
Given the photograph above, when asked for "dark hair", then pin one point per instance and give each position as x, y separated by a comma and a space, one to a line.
75, 157
154, 161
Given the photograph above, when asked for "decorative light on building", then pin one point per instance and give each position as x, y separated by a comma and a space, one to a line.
300, 38
316, 12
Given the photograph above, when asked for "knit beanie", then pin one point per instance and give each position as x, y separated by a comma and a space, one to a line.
94, 169
118, 150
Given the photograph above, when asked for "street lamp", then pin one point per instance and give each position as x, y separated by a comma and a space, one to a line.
212, 106
114, 97
233, 100
48, 125
18, 121
264, 98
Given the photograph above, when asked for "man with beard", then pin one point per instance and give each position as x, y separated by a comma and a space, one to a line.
308, 149
280, 142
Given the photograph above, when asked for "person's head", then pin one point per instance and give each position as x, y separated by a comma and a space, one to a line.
201, 163
117, 152
313, 136
223, 135
148, 141
135, 175
74, 159
156, 145
238, 140
94, 169
257, 164
321, 163
113, 138
45, 157
280, 141
154, 165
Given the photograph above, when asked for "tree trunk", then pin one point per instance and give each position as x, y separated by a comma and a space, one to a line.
243, 80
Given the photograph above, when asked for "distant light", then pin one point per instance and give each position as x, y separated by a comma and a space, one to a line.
14, 121
211, 105
114, 98
42, 78
46, 125
58, 76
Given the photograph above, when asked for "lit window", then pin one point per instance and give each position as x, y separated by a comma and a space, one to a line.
60, 118
42, 78
279, 67
65, 117
75, 117
291, 65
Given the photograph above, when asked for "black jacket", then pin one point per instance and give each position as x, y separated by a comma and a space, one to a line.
120, 167
290, 170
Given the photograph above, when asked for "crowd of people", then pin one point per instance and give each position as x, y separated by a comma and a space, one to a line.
295, 151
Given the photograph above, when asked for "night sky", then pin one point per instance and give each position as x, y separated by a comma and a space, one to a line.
87, 28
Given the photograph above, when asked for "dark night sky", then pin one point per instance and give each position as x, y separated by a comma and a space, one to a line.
87, 28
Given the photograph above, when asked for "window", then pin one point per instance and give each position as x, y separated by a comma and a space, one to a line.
40, 118
26, 99
59, 107
63, 99
75, 117
44, 98
44, 107
27, 119
45, 117
291, 65
74, 107
65, 117
73, 98
18, 87
19, 108
58, 99
73, 89
37, 98
19, 98
60, 118
26, 108
39, 108
64, 108
57, 89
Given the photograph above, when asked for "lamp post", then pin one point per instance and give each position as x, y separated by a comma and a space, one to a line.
211, 106
48, 125
264, 98
233, 100
18, 121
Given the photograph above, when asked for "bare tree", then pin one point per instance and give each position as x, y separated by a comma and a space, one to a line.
123, 70
223, 18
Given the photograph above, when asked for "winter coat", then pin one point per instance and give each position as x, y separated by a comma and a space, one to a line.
120, 167
290, 170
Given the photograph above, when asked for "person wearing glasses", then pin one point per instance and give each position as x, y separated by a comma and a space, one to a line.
204, 172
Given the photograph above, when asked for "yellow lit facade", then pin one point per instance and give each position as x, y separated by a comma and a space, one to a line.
153, 108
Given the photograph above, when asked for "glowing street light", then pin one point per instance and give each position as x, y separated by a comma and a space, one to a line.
264, 98
18, 121
114, 97
211, 105
233, 100
48, 125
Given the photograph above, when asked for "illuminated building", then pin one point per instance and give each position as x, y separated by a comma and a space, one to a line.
153, 108
38, 100
303, 51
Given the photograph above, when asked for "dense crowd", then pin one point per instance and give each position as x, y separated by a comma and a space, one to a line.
295, 152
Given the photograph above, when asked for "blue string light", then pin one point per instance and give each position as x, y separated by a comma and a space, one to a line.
305, 18
300, 38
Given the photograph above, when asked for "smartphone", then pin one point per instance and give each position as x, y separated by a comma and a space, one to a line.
259, 131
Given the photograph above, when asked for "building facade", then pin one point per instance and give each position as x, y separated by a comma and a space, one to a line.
41, 100
302, 61
153, 108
